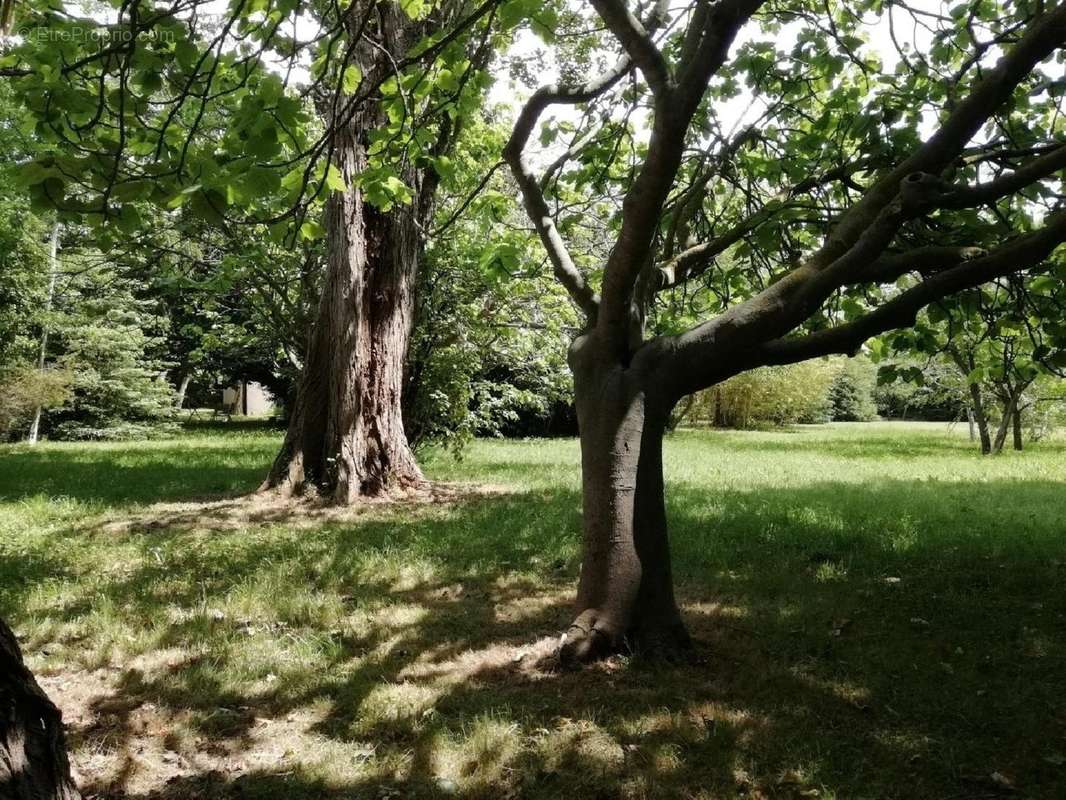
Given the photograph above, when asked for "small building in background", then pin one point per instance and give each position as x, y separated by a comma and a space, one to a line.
247, 399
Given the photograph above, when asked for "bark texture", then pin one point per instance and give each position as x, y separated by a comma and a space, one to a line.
346, 435
183, 387
981, 417
625, 598
33, 753
977, 411
1011, 396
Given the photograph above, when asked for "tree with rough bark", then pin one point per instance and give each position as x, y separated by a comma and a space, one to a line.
173, 106
346, 434
33, 756
831, 211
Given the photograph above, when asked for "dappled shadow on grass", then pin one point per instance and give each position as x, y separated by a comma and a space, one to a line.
892, 638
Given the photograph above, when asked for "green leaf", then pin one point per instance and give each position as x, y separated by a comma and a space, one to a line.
334, 180
293, 181
513, 12
311, 230
415, 9
34, 172
270, 90
351, 79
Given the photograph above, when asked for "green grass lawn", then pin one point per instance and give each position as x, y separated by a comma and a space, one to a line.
880, 614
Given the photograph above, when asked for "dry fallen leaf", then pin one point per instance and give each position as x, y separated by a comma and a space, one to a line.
1000, 779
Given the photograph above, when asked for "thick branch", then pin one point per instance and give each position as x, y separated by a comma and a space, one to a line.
637, 41
1023, 253
718, 27
866, 230
921, 259
1043, 37
1008, 183
532, 194
644, 201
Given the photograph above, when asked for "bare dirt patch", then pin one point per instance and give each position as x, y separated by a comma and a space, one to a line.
274, 508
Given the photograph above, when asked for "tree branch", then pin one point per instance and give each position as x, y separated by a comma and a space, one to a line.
1045, 35
646, 196
864, 232
892, 266
532, 194
694, 260
1024, 252
636, 40
1036, 170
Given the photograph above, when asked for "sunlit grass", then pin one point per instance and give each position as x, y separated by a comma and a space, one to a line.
880, 610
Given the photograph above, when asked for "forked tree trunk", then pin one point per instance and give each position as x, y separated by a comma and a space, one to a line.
1012, 415
33, 754
1004, 425
625, 594
346, 437
981, 416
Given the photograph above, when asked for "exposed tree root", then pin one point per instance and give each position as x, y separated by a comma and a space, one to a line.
591, 638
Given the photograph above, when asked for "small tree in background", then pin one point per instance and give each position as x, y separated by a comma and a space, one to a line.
851, 394
995, 340
25, 388
936, 394
109, 340
1048, 409
488, 353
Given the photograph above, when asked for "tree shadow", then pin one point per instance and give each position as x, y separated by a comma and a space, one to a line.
855, 640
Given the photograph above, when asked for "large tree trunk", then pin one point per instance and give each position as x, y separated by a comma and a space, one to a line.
1016, 425
346, 437
33, 754
625, 595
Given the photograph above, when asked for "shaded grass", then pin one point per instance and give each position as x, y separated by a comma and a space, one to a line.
881, 614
